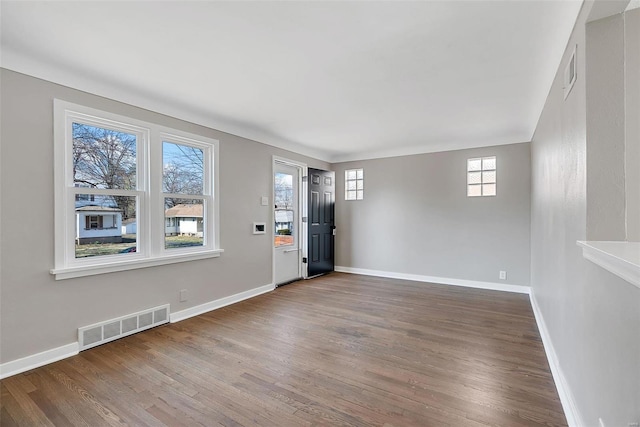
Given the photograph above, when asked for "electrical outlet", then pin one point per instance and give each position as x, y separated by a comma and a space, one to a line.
183, 295
503, 275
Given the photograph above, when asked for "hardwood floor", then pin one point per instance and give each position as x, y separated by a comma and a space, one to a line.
342, 350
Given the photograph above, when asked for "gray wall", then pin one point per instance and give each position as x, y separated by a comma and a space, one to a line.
39, 313
416, 217
604, 53
613, 128
632, 122
593, 317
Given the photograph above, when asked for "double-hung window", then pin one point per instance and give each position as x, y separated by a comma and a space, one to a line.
130, 194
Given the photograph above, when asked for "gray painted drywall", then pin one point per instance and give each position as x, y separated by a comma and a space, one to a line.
605, 129
416, 217
592, 316
632, 122
39, 313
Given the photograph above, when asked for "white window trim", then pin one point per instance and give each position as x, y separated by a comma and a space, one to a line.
150, 207
482, 183
346, 183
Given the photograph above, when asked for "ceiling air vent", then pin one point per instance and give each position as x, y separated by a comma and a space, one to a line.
570, 73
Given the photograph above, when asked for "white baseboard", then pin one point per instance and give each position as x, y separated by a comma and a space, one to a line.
49, 356
36, 360
564, 391
566, 397
219, 303
439, 280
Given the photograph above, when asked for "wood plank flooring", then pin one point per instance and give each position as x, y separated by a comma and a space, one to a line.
339, 350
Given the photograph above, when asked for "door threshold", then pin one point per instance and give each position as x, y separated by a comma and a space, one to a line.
289, 282
318, 275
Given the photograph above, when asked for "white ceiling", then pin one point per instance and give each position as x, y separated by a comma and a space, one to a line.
336, 80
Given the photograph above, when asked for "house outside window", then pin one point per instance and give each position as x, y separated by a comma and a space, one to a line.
114, 177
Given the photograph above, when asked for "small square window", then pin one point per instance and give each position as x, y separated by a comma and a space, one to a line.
481, 176
353, 184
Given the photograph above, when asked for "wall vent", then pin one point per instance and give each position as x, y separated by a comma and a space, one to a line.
110, 330
570, 73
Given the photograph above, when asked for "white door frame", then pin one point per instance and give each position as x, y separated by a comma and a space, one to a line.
302, 216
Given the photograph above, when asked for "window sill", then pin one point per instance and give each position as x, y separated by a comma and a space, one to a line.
81, 271
620, 258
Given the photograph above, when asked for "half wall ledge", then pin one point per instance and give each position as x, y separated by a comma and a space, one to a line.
620, 258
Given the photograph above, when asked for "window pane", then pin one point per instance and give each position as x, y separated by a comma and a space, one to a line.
351, 174
351, 195
474, 165
359, 173
488, 177
183, 169
283, 190
184, 223
488, 163
488, 189
474, 177
284, 222
360, 195
283, 214
105, 225
474, 190
360, 184
351, 185
103, 158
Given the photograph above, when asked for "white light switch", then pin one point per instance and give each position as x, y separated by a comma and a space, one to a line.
264, 201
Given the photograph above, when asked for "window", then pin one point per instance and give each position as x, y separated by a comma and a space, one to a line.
94, 222
353, 184
284, 209
183, 178
481, 177
130, 194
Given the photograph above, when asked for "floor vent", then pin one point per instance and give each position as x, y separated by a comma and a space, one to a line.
103, 332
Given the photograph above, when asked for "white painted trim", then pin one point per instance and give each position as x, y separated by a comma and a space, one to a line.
150, 200
33, 361
439, 280
435, 147
564, 391
92, 270
620, 258
39, 359
303, 171
19, 62
219, 303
